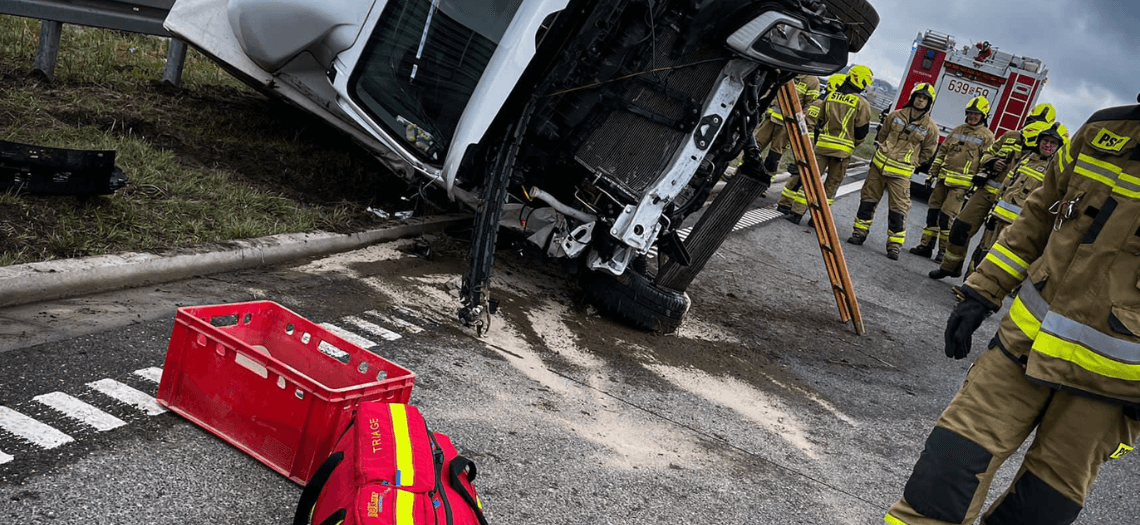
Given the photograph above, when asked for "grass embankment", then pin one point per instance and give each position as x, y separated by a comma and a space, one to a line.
208, 163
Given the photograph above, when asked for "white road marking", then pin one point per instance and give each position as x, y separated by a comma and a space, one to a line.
128, 395
153, 374
373, 328
413, 328
4, 458
76, 409
35, 432
349, 336
849, 188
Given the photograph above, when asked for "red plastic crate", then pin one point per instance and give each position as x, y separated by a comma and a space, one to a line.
282, 408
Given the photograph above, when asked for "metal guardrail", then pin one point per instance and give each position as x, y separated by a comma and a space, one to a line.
134, 16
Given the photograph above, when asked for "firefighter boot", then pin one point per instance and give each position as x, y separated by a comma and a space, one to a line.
939, 273
941, 254
857, 238
893, 252
923, 249
794, 218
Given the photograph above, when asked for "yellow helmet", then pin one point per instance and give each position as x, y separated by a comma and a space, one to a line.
1033, 132
860, 76
1042, 112
836, 80
978, 105
922, 88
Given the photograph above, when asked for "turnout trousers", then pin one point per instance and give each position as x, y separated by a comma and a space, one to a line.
835, 170
965, 226
898, 195
943, 206
995, 410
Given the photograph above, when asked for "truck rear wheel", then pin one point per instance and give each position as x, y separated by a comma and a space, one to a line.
860, 17
633, 298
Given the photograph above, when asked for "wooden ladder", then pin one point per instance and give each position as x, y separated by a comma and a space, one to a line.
829, 245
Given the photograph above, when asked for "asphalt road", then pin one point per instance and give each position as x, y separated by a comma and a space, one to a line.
762, 409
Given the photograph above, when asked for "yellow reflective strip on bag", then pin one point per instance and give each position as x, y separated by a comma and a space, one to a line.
405, 508
1053, 346
405, 468
1024, 319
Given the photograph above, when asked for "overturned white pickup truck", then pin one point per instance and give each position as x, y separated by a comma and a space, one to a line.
596, 126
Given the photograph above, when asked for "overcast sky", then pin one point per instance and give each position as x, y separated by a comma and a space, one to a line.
1090, 47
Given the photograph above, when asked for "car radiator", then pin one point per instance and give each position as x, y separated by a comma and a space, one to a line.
656, 110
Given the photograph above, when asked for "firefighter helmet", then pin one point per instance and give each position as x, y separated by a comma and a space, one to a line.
1035, 130
978, 105
1042, 112
922, 88
860, 76
1056, 130
835, 80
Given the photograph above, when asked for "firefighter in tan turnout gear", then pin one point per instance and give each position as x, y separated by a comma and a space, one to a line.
793, 192
958, 162
1066, 359
772, 133
907, 138
1042, 140
997, 163
843, 120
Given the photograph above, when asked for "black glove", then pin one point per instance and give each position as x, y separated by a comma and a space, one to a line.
979, 180
972, 309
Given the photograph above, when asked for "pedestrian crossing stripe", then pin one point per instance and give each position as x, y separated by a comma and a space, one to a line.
76, 409
391, 319
152, 374
351, 337
128, 395
4, 458
33, 431
372, 328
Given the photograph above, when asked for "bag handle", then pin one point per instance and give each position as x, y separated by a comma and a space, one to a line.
313, 488
460, 464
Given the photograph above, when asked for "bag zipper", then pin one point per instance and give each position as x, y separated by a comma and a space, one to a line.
438, 459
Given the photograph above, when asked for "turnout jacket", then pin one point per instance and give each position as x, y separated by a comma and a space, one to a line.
1027, 175
1007, 147
959, 158
807, 86
906, 139
836, 119
1075, 323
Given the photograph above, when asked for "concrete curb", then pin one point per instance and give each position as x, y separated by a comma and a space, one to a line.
66, 278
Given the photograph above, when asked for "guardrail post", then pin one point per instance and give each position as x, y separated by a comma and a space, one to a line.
48, 49
175, 59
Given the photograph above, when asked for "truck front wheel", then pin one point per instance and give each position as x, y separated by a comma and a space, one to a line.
633, 298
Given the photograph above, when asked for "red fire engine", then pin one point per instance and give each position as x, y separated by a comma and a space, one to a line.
1010, 82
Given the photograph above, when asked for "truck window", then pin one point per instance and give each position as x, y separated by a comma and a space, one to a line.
422, 63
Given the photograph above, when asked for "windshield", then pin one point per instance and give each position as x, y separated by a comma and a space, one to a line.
422, 63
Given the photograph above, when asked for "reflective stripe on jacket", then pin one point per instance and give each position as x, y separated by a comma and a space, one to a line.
906, 139
808, 88
1076, 321
839, 115
1027, 175
1007, 147
959, 157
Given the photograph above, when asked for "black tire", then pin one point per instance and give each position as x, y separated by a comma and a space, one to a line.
634, 299
860, 17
